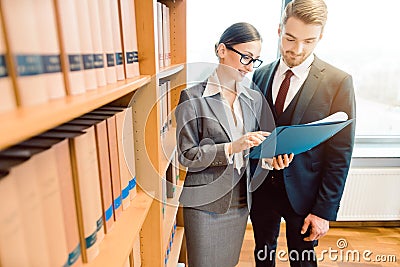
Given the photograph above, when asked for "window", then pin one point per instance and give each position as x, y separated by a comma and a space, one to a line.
361, 38
207, 19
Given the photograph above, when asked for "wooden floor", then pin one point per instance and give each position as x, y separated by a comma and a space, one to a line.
383, 242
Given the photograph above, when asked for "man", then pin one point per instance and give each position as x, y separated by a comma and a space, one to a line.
307, 193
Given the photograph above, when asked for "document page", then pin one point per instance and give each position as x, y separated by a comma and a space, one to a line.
335, 117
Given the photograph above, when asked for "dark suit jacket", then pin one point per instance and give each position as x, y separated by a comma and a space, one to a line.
202, 130
315, 179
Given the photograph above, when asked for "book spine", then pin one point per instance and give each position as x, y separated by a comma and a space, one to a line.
107, 41
129, 37
86, 42
31, 207
64, 169
105, 175
166, 37
7, 95
47, 34
160, 35
87, 193
71, 53
114, 166
13, 251
116, 30
124, 169
129, 151
98, 49
49, 188
20, 25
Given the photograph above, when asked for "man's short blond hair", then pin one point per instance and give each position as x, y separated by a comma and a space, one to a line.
308, 11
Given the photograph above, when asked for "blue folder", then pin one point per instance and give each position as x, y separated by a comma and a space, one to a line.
296, 138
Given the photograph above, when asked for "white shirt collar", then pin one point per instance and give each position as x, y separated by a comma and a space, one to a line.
213, 87
299, 70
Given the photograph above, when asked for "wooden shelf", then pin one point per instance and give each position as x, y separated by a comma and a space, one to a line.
116, 246
170, 70
176, 247
26, 122
171, 210
153, 153
168, 147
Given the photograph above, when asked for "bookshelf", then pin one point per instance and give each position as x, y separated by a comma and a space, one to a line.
171, 211
150, 145
153, 152
174, 256
168, 147
114, 249
25, 122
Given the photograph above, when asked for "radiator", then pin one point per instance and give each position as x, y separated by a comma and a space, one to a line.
371, 194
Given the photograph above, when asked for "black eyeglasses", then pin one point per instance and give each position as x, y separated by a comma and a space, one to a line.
246, 59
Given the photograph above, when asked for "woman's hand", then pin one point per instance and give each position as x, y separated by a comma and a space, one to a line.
247, 141
280, 162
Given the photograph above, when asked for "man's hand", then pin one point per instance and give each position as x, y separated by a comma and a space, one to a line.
318, 227
282, 161
278, 163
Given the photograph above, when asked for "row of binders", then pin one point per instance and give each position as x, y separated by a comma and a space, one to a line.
164, 35
170, 242
62, 191
53, 48
169, 182
165, 106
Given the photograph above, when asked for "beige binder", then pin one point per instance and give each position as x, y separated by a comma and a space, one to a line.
107, 41
71, 52
86, 42
47, 34
104, 168
96, 26
12, 249
7, 95
116, 30
129, 37
87, 186
21, 29
64, 170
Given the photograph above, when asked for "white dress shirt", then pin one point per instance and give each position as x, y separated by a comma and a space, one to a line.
235, 116
296, 81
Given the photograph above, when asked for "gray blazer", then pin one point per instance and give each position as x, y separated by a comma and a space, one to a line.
202, 130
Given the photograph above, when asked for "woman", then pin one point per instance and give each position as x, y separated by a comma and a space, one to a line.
216, 126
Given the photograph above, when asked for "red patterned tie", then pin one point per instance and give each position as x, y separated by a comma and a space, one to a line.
283, 90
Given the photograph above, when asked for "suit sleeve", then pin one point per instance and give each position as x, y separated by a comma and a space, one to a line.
195, 153
338, 151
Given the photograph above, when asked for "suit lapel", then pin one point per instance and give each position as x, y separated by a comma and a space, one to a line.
267, 90
217, 108
248, 113
269, 78
310, 85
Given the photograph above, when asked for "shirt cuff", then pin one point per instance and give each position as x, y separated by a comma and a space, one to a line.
266, 165
229, 158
